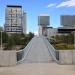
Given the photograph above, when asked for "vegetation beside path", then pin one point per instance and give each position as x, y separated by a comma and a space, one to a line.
63, 42
15, 41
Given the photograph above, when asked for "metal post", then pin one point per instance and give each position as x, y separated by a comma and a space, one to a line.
74, 39
1, 40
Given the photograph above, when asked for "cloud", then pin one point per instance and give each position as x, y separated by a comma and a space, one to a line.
68, 3
50, 5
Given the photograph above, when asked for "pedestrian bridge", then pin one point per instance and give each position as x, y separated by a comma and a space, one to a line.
39, 50
36, 58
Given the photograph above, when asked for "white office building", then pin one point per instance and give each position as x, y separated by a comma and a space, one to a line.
52, 31
15, 19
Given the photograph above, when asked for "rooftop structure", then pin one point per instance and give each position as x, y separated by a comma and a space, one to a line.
43, 19
68, 20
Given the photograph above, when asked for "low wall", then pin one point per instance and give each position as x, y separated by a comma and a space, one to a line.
8, 58
66, 56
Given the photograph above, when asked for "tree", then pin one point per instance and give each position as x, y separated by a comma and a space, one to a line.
30, 36
16, 39
4, 37
70, 38
10, 44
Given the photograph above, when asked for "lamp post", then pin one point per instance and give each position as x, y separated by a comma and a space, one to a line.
74, 39
1, 36
1, 40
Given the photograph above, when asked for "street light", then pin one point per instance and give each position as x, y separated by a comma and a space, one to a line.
74, 39
1, 37
1, 40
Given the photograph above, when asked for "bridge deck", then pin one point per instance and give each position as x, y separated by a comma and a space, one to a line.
38, 52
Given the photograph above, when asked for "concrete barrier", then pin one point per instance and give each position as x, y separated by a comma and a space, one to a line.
8, 58
73, 57
66, 56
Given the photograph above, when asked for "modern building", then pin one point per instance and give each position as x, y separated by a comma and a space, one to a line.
24, 23
43, 22
15, 19
52, 31
68, 23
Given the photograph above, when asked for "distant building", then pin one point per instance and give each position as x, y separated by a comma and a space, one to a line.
52, 31
43, 22
15, 19
68, 23
1, 28
24, 22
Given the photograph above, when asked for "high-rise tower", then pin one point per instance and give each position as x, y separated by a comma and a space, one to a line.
15, 19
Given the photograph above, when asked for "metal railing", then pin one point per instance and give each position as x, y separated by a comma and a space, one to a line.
51, 49
21, 54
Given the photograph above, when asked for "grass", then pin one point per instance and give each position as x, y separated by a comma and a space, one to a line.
64, 46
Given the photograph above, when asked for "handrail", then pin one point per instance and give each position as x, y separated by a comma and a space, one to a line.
25, 50
51, 49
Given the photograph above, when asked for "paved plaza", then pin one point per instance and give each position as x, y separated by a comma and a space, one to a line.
38, 69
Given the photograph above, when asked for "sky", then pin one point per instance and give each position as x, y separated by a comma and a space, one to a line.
33, 8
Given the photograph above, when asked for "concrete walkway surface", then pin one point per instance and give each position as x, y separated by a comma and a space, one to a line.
38, 69
38, 52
